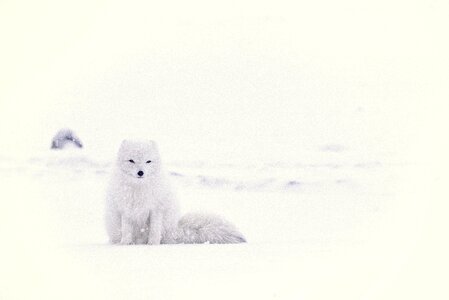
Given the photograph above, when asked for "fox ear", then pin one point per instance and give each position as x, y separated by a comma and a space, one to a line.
154, 146
123, 144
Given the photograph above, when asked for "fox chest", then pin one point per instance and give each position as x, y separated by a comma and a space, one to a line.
136, 206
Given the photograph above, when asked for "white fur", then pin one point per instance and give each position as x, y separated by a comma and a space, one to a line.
144, 210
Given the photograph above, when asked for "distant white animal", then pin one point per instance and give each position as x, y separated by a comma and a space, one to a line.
64, 137
142, 209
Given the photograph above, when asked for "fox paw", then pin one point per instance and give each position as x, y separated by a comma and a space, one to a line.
152, 241
126, 242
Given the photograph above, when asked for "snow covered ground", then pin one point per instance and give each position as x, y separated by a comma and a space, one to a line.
293, 215
310, 125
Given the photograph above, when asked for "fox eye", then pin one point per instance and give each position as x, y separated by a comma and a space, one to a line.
148, 161
131, 161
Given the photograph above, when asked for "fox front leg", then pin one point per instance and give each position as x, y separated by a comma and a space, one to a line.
155, 230
127, 232
114, 226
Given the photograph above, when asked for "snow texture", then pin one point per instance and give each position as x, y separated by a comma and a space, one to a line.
295, 231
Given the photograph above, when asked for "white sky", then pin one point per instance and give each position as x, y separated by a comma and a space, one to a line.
269, 78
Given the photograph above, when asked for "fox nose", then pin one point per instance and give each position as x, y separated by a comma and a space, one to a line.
140, 173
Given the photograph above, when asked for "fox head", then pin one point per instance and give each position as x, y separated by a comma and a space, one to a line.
138, 160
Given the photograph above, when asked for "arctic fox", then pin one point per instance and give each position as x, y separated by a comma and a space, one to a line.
142, 209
